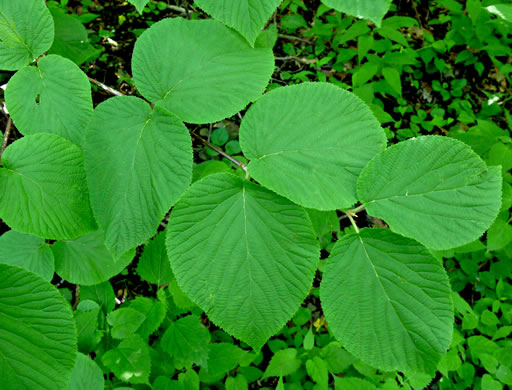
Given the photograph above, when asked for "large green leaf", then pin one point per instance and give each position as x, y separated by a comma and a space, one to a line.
37, 333
26, 32
138, 163
43, 188
314, 156
388, 301
433, 189
71, 37
54, 97
87, 261
200, 70
29, 252
243, 254
86, 375
246, 16
373, 10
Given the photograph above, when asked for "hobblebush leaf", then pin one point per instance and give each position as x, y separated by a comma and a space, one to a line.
138, 163
433, 189
243, 254
388, 301
186, 341
71, 37
246, 16
37, 333
86, 375
87, 261
313, 157
52, 97
29, 252
26, 32
43, 188
130, 360
154, 266
200, 70
373, 10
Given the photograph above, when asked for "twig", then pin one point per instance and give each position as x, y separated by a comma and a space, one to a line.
292, 38
105, 87
298, 59
357, 209
222, 153
177, 9
6, 137
348, 214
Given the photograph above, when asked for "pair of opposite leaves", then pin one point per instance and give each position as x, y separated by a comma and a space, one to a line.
324, 177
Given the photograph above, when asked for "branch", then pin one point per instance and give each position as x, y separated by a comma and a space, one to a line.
292, 38
357, 209
6, 137
106, 87
298, 59
222, 153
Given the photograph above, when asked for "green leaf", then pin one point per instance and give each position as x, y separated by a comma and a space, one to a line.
246, 16
86, 321
29, 252
498, 236
43, 188
209, 168
237, 383
37, 333
139, 4
138, 163
200, 70
489, 383
353, 383
130, 360
124, 322
433, 189
261, 255
71, 38
503, 11
153, 265
164, 383
284, 362
314, 156
26, 32
87, 261
392, 76
373, 10
102, 293
154, 312
317, 370
54, 97
388, 301
267, 38
186, 340
86, 375
222, 358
